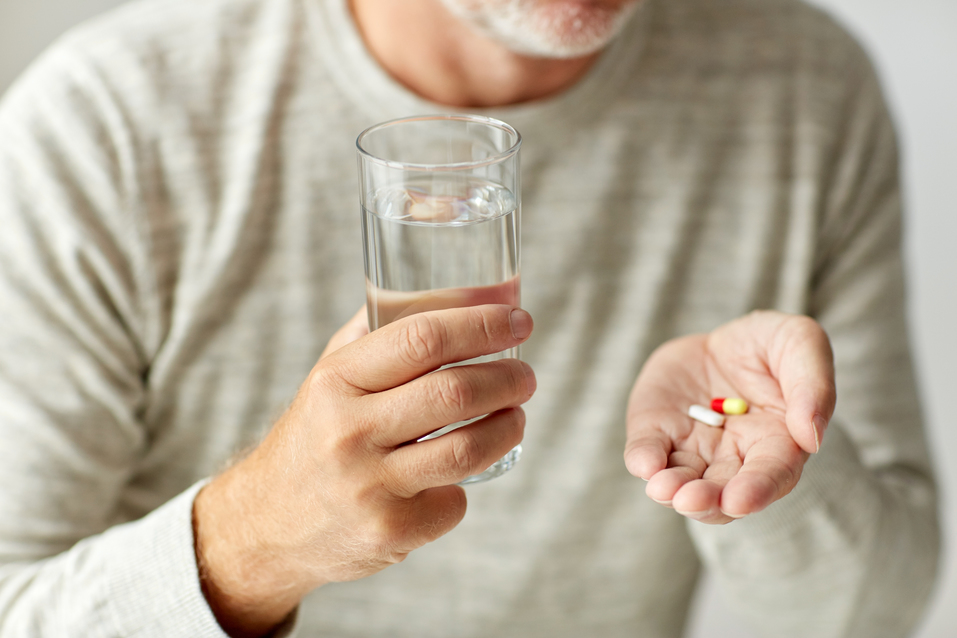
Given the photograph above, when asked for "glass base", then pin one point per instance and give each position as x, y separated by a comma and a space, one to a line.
498, 468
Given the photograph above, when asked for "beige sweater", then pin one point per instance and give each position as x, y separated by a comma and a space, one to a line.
179, 236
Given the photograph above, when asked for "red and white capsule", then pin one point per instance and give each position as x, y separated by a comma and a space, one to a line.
732, 405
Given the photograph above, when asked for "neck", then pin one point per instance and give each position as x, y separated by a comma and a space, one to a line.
438, 57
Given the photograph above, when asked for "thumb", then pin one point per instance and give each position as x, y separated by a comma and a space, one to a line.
356, 328
802, 360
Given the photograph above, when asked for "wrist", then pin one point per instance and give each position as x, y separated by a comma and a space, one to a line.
248, 580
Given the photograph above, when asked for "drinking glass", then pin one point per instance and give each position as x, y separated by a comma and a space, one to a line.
440, 203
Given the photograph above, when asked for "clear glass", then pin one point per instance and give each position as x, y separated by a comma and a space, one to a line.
440, 200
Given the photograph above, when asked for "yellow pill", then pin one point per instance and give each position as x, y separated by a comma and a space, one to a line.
729, 406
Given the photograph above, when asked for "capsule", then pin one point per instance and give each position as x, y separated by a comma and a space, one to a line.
729, 406
423, 212
706, 416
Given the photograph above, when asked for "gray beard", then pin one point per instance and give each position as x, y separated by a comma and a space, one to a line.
509, 26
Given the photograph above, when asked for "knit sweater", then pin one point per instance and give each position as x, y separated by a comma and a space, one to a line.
179, 237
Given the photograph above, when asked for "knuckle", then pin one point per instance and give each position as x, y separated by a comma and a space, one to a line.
345, 442
452, 393
485, 326
389, 529
320, 381
327, 418
465, 456
421, 341
342, 448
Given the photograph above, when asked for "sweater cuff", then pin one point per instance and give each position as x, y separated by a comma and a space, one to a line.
155, 588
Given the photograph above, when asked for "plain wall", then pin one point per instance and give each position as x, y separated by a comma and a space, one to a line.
914, 43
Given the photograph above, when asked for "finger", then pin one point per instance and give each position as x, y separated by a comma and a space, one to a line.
413, 346
647, 454
684, 467
700, 501
770, 471
436, 512
655, 420
447, 396
802, 360
441, 299
453, 457
652, 434
356, 328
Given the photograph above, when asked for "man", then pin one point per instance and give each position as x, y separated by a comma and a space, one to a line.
176, 183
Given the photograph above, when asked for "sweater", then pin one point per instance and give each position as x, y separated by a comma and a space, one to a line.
179, 237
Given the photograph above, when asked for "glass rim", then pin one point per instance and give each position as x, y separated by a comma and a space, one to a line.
453, 166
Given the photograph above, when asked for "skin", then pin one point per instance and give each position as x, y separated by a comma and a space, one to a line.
546, 28
781, 365
451, 61
355, 498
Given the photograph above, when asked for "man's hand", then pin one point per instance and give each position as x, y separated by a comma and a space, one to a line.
336, 492
781, 365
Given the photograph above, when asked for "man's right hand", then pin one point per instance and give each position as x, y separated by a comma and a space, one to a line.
335, 492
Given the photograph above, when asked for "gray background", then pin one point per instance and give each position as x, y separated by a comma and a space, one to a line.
914, 43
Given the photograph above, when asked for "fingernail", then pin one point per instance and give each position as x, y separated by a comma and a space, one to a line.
665, 503
818, 425
696, 516
734, 516
521, 323
530, 381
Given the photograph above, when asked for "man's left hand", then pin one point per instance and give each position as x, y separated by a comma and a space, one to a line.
781, 365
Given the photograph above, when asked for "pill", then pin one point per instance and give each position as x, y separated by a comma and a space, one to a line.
423, 212
729, 406
703, 414
432, 209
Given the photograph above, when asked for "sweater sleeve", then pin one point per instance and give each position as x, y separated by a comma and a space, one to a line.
74, 350
853, 550
135, 579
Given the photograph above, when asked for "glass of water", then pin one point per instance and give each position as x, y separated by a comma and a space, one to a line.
441, 200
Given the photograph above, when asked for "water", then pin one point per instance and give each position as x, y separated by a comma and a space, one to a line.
444, 242
440, 242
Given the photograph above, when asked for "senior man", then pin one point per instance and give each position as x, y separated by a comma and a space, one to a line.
179, 243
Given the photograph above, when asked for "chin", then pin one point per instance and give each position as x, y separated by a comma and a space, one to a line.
574, 28
547, 28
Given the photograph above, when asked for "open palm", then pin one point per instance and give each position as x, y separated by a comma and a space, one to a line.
781, 365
